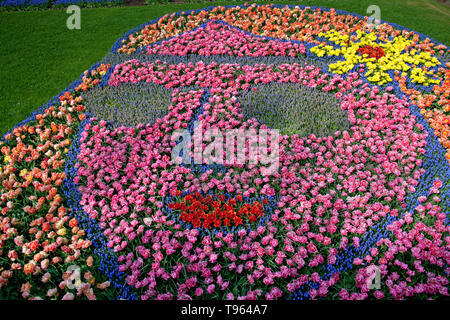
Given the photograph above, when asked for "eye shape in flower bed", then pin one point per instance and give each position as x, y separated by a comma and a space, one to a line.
128, 104
294, 109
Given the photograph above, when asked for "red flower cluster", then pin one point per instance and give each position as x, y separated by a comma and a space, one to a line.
372, 52
209, 211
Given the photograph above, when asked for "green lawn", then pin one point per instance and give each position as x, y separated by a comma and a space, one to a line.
40, 56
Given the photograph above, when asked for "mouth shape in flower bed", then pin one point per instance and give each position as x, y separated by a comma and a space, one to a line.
211, 211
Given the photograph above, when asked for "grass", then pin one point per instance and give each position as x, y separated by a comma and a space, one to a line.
40, 56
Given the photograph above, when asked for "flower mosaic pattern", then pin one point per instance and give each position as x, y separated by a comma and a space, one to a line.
371, 196
392, 55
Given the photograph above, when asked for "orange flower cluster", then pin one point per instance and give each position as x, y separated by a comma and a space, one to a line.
92, 78
435, 107
264, 20
38, 238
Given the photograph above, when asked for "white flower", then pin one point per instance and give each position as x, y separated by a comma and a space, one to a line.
148, 221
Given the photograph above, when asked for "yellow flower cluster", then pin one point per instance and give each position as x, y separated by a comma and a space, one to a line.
28, 176
397, 56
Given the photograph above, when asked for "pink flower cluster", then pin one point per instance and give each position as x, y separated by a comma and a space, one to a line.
220, 39
228, 76
423, 238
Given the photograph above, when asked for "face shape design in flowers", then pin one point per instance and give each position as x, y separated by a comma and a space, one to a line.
145, 202
169, 230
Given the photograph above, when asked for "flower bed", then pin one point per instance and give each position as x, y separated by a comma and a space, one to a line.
24, 4
359, 188
11, 5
